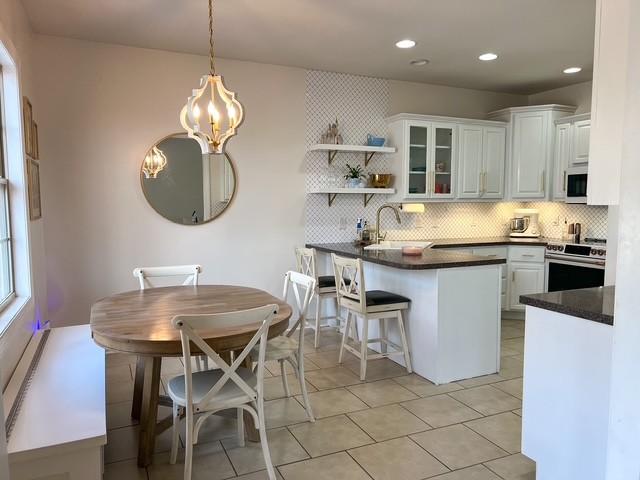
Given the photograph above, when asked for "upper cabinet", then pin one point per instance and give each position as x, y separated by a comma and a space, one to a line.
581, 136
531, 148
571, 149
447, 158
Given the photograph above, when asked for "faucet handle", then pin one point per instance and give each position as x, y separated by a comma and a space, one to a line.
382, 236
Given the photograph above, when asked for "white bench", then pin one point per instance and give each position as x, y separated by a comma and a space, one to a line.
60, 428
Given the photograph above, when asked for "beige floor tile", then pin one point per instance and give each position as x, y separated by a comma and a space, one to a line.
329, 435
504, 430
388, 422
284, 411
122, 444
328, 359
507, 352
119, 373
423, 387
329, 340
334, 402
273, 387
513, 467
339, 466
458, 446
395, 459
511, 332
383, 392
487, 399
512, 387
216, 427
282, 445
332, 377
261, 475
511, 367
119, 415
119, 392
127, 470
273, 367
209, 463
514, 344
518, 412
440, 410
484, 380
378, 369
477, 472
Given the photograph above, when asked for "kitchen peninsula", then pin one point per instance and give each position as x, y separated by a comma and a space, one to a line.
453, 324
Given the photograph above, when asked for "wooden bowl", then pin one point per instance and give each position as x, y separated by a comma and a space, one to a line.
380, 180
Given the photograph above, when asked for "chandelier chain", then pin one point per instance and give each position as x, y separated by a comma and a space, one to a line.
212, 67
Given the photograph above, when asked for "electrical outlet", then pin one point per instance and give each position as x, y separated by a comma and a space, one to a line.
343, 223
556, 222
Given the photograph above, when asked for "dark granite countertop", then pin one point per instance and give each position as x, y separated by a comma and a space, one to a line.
594, 304
430, 259
487, 241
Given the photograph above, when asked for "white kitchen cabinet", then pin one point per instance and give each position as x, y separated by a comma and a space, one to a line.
581, 134
481, 161
530, 151
561, 154
524, 278
497, 252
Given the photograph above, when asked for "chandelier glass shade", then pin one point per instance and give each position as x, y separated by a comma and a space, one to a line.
154, 162
212, 114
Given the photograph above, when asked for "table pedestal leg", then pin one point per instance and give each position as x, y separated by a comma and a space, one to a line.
138, 385
149, 416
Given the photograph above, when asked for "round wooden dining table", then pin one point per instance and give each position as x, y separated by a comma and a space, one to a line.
139, 322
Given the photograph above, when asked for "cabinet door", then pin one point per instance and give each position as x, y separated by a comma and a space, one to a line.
470, 164
529, 154
524, 278
418, 161
443, 166
561, 155
581, 134
494, 147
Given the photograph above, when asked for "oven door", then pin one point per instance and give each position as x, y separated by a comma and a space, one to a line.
576, 185
566, 274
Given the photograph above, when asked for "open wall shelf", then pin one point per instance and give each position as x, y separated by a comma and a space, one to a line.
332, 150
368, 193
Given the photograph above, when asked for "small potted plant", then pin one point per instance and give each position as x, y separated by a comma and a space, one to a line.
354, 176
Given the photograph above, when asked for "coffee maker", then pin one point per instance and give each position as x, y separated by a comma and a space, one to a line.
524, 223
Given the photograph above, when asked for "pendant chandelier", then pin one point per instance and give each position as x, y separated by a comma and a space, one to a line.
154, 162
212, 114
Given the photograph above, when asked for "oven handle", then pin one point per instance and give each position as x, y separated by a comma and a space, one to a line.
582, 262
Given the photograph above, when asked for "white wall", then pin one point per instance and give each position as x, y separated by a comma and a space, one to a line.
101, 108
578, 94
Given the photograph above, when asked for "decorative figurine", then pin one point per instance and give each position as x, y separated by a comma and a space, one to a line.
332, 135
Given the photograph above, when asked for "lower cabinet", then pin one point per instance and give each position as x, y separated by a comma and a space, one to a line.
524, 278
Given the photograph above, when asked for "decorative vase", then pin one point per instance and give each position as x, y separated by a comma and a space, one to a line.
353, 182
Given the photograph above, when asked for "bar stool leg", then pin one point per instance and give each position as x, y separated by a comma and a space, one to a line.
338, 319
383, 334
405, 345
316, 341
345, 334
364, 344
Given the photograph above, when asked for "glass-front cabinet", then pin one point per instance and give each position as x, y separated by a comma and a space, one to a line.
429, 163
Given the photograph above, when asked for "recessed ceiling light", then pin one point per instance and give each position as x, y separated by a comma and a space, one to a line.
406, 43
572, 70
419, 62
485, 57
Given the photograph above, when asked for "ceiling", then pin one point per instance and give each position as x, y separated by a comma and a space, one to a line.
535, 39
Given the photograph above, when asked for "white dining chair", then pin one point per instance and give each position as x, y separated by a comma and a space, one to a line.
368, 305
232, 386
289, 347
190, 274
325, 289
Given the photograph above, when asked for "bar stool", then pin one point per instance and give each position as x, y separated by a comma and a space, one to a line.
325, 289
368, 305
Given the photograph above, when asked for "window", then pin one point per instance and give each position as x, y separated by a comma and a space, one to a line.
6, 265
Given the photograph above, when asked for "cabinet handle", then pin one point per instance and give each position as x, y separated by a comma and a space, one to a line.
513, 276
542, 181
528, 255
484, 182
564, 181
480, 183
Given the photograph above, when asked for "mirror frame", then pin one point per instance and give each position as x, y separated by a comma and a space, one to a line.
233, 171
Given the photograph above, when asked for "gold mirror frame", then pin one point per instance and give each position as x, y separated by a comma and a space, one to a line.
144, 192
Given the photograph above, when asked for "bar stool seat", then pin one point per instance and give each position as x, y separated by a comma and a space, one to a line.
377, 298
327, 281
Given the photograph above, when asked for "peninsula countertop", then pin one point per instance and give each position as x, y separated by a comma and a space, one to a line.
429, 260
594, 304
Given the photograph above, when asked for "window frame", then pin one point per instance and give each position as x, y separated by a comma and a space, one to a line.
6, 301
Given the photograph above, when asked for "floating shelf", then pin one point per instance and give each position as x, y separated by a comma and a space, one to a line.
368, 193
332, 150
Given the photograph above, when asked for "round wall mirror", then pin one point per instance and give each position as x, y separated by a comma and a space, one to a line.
185, 186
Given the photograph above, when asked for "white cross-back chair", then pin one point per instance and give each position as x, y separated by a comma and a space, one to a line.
289, 347
325, 289
368, 305
232, 386
190, 274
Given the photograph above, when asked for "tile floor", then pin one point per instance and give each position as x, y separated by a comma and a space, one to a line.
393, 426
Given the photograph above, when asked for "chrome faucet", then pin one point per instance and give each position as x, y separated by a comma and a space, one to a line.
380, 237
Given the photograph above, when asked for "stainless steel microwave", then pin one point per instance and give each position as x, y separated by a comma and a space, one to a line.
576, 185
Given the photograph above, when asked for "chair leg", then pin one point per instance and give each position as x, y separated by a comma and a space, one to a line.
345, 334
405, 344
285, 382
363, 348
303, 387
188, 447
175, 434
383, 334
338, 317
263, 440
240, 427
316, 342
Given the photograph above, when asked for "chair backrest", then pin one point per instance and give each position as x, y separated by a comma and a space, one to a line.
143, 274
349, 275
303, 288
190, 324
306, 262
